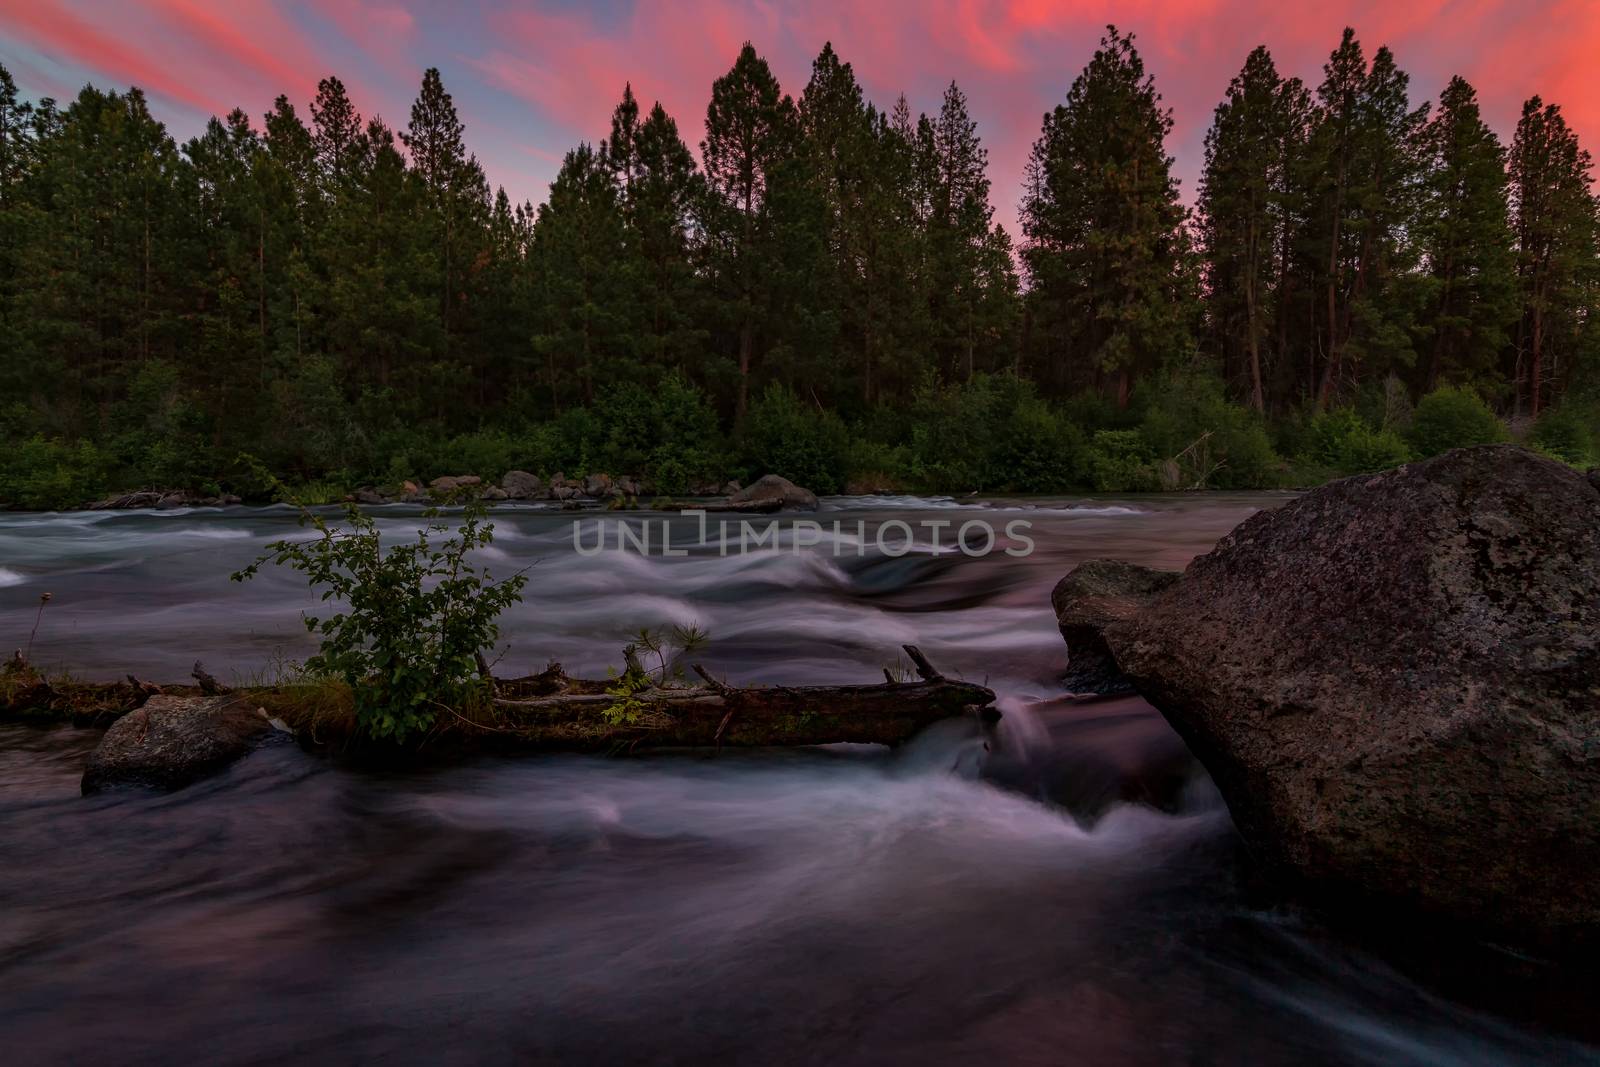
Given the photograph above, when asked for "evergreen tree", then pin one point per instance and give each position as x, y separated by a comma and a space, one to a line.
16, 160
958, 231
1555, 223
1465, 240
337, 127
16, 140
584, 304
1103, 226
382, 315
1244, 214
1363, 181
620, 149
456, 192
750, 134
661, 189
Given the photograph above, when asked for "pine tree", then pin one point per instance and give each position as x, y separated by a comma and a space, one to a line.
16, 138
337, 133
584, 304
659, 203
1363, 179
1103, 224
620, 149
382, 311
750, 133
958, 229
1555, 224
1244, 211
16, 160
838, 143
1465, 237
456, 191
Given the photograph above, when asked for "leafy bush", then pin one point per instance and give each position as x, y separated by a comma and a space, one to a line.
1034, 450
993, 432
1204, 440
416, 617
1568, 433
874, 465
1345, 443
1120, 461
783, 435
42, 474
1452, 417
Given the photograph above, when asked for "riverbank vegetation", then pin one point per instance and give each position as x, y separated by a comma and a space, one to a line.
820, 292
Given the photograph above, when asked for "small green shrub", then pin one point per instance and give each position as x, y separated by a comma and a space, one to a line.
667, 433
416, 616
1203, 439
1343, 442
1034, 450
993, 432
1568, 433
1452, 417
1121, 462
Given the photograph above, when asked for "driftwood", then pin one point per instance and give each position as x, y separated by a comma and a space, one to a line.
554, 709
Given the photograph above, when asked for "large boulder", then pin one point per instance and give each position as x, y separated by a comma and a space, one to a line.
772, 493
520, 485
173, 741
1394, 681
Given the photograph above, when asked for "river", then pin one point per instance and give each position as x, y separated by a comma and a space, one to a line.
1071, 893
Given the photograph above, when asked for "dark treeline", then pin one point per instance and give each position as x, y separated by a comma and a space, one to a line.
824, 294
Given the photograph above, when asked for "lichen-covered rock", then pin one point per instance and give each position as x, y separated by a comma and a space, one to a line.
173, 741
1394, 681
1093, 595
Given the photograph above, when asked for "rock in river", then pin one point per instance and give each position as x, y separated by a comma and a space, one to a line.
771, 493
1094, 595
173, 741
1394, 681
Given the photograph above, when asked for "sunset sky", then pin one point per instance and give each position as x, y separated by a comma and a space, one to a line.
533, 78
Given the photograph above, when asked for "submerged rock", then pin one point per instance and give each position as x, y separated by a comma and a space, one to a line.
1394, 681
173, 741
772, 493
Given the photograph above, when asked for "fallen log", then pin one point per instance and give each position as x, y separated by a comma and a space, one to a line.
574, 712
555, 711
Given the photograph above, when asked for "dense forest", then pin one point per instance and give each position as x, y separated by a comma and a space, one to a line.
820, 291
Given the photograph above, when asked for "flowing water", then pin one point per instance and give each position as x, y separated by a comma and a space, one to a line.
1068, 890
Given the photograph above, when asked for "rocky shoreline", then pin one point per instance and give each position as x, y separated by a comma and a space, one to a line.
769, 493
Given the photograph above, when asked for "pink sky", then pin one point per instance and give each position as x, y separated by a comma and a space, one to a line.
532, 79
